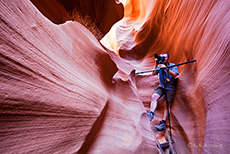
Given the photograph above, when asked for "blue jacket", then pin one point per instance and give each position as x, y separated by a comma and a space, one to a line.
171, 84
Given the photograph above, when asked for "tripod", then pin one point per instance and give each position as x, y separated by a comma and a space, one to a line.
166, 99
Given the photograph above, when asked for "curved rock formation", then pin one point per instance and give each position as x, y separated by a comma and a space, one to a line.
62, 91
103, 13
57, 90
186, 30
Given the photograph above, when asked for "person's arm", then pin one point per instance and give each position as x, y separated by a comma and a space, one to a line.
155, 72
173, 71
173, 74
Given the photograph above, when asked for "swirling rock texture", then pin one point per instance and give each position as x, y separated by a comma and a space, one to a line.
63, 91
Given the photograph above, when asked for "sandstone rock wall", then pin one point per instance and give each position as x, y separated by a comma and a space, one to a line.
186, 30
62, 91
58, 94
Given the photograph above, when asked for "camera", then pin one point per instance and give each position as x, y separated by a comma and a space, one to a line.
160, 59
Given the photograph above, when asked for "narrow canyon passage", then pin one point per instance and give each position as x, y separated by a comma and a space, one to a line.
68, 82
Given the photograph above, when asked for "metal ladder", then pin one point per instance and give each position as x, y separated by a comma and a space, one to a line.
167, 145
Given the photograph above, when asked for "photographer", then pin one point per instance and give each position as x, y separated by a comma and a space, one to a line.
167, 86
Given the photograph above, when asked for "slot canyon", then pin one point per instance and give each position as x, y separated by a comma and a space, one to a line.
68, 82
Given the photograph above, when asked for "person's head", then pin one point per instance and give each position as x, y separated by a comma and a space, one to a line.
166, 55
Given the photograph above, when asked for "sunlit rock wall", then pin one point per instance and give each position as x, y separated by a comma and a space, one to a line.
186, 30
62, 92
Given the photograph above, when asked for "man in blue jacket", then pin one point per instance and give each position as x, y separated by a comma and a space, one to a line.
167, 87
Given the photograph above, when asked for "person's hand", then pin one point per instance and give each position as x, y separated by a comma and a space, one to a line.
162, 66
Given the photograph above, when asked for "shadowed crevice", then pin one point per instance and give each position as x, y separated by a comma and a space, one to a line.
91, 137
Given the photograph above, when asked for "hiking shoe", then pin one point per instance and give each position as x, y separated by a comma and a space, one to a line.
150, 115
161, 126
